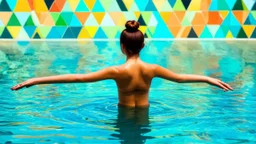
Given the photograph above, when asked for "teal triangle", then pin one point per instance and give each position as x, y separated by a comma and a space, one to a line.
30, 30
225, 30
226, 21
4, 6
206, 33
100, 34
233, 20
61, 30
118, 34
162, 31
6, 34
36, 36
254, 34
53, 34
235, 30
75, 21
12, 4
231, 3
67, 8
67, 16
141, 4
98, 7
214, 5
222, 5
76, 30
250, 20
69, 34
82, 7
22, 17
151, 6
220, 33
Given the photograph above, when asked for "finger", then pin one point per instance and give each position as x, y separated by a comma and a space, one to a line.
223, 87
226, 85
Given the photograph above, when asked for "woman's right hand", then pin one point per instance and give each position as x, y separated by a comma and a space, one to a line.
27, 84
219, 83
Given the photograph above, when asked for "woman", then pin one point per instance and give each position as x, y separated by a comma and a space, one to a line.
133, 78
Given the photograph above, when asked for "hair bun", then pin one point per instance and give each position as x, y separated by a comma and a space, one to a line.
132, 26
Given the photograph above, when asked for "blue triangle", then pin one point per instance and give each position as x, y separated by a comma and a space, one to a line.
230, 3
233, 20
30, 30
75, 21
141, 4
234, 30
76, 31
250, 20
53, 34
220, 33
118, 34
206, 33
100, 34
67, 16
22, 17
226, 21
98, 7
61, 30
82, 7
172, 2
12, 4
162, 31
69, 34
151, 6
253, 34
214, 5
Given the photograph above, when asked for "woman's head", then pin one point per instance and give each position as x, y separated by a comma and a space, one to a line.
132, 39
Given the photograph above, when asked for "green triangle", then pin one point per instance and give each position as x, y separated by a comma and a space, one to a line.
185, 21
106, 4
110, 31
55, 16
242, 34
222, 5
151, 31
1, 30
60, 22
178, 6
166, 7
253, 14
134, 7
13, 21
29, 22
146, 16
44, 30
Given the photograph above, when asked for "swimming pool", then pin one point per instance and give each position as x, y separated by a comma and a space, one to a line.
88, 113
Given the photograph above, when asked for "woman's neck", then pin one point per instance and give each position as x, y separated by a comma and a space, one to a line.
132, 57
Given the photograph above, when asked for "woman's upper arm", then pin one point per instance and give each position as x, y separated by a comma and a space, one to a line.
166, 74
104, 74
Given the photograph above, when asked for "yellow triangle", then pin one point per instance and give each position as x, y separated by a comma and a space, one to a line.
223, 14
195, 5
121, 20
99, 16
229, 35
137, 14
83, 34
248, 29
143, 29
73, 4
14, 30
91, 30
128, 3
22, 6
90, 3
37, 31
39, 6
158, 4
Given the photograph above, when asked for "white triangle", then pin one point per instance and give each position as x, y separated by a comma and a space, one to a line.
35, 18
91, 21
107, 21
130, 16
114, 7
1, 23
134, 7
213, 29
23, 35
152, 21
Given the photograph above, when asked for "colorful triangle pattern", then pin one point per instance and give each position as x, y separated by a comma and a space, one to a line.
77, 19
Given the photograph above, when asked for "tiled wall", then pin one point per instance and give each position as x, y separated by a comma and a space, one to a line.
57, 19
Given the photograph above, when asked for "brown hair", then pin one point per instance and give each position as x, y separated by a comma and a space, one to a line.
132, 38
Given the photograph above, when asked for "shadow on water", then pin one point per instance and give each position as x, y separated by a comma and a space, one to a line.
132, 124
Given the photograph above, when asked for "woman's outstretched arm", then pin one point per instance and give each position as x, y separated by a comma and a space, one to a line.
108, 73
188, 78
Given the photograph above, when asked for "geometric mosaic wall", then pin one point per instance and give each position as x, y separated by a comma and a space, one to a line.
71, 19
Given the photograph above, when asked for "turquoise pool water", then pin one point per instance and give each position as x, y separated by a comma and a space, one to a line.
88, 113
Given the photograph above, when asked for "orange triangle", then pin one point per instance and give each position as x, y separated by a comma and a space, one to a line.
180, 15
60, 3
205, 4
5, 17
99, 16
30, 2
41, 16
198, 19
241, 16
48, 20
198, 29
137, 14
185, 31
115, 16
174, 30
55, 8
82, 16
214, 18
